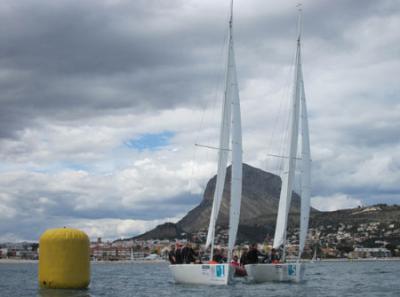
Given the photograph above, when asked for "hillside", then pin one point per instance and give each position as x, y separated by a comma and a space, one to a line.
260, 200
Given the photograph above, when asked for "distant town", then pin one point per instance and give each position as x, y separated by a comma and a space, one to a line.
362, 241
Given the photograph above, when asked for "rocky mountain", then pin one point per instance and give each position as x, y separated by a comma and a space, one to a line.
260, 200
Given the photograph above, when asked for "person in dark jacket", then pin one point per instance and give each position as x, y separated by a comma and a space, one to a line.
243, 257
188, 255
218, 257
252, 255
178, 254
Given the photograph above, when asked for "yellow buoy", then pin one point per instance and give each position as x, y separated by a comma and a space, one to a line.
64, 259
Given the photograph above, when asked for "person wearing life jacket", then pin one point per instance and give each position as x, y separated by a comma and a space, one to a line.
239, 270
217, 257
274, 257
235, 261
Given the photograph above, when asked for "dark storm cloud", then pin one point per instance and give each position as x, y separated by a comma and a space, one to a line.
66, 204
79, 59
81, 37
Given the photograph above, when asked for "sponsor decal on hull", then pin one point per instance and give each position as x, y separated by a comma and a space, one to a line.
292, 270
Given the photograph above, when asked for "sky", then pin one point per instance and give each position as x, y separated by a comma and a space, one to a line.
103, 101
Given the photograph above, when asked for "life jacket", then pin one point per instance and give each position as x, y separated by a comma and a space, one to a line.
235, 264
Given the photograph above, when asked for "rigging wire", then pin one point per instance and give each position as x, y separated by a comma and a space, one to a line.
216, 94
276, 165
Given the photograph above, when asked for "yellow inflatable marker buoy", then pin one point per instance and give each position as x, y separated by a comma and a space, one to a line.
64, 259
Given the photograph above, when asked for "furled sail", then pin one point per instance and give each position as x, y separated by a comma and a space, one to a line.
236, 144
306, 170
222, 163
290, 161
229, 95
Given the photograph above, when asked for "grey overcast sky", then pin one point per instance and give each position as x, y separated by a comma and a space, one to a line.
102, 102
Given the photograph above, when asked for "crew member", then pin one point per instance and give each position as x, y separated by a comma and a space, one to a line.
217, 257
274, 257
171, 255
188, 254
243, 257
252, 255
178, 254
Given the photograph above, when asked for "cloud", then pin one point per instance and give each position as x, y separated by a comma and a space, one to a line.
81, 80
6, 210
335, 202
117, 228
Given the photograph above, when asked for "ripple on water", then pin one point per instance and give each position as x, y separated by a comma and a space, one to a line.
366, 279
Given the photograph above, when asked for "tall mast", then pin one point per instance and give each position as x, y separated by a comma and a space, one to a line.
223, 144
290, 162
305, 162
236, 144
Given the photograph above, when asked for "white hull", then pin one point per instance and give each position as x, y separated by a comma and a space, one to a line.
285, 272
201, 274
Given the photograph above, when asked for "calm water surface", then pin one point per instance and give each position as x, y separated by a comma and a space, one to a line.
366, 279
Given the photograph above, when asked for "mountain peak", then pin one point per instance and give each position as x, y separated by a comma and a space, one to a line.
260, 200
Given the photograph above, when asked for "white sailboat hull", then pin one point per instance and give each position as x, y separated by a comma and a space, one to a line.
202, 274
285, 272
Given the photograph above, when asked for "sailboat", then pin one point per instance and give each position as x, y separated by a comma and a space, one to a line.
298, 119
230, 140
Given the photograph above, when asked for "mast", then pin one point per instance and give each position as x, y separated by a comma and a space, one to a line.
236, 144
223, 144
290, 162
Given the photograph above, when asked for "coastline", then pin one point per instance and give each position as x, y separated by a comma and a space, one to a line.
17, 261
359, 259
21, 261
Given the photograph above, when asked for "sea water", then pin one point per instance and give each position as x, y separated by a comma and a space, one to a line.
364, 278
